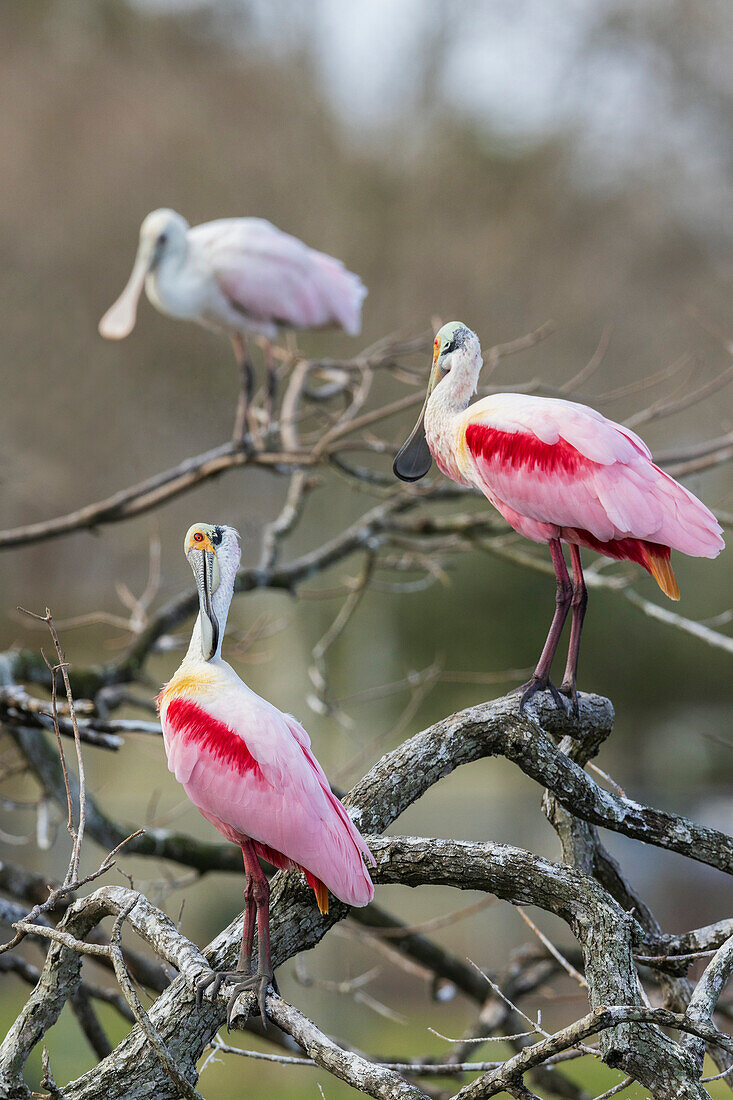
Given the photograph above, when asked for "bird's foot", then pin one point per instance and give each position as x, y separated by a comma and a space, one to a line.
530, 689
260, 982
244, 982
569, 690
243, 440
272, 432
212, 980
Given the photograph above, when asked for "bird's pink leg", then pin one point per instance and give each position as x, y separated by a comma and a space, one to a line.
271, 385
563, 595
261, 892
256, 904
248, 930
246, 389
258, 891
578, 604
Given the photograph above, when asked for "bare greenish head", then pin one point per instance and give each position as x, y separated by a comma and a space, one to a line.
456, 347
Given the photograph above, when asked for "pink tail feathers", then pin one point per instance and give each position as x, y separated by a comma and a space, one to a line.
688, 525
344, 292
352, 884
344, 871
345, 876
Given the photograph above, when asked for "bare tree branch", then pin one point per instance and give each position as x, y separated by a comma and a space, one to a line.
406, 538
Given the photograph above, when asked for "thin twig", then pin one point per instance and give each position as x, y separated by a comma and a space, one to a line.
567, 966
77, 834
130, 995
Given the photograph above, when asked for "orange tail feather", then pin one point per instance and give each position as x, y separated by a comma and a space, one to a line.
319, 889
660, 568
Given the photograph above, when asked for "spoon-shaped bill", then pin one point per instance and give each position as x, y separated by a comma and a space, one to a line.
119, 320
204, 567
414, 459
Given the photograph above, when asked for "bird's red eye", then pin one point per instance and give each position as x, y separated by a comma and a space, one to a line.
198, 537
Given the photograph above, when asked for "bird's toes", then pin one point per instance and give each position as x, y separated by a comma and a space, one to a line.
528, 691
262, 995
570, 692
206, 979
261, 983
212, 980
559, 700
231, 1003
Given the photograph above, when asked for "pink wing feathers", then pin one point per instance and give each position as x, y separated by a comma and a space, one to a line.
560, 463
274, 277
250, 770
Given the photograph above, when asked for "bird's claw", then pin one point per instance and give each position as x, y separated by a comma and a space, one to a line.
211, 981
530, 689
260, 982
571, 692
243, 441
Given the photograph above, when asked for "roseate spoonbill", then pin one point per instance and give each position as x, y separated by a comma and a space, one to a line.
238, 276
249, 769
558, 472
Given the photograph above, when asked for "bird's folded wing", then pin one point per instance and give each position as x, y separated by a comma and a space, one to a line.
561, 463
263, 781
272, 276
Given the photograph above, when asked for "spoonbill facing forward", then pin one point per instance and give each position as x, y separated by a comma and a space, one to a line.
558, 472
239, 276
249, 769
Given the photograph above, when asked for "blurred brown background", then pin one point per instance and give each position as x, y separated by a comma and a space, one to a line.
500, 162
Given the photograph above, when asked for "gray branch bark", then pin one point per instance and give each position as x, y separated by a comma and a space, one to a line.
607, 934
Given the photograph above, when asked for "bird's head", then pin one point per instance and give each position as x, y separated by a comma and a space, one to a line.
213, 554
162, 234
456, 348
456, 351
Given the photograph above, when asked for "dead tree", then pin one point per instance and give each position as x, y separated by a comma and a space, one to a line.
644, 1016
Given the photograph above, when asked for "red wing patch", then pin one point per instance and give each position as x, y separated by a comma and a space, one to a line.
191, 722
523, 450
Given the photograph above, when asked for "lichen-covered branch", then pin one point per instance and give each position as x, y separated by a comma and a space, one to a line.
326, 429
607, 934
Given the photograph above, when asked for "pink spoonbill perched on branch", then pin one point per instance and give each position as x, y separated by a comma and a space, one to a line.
557, 472
238, 276
249, 769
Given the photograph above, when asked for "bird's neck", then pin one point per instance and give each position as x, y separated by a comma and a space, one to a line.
220, 602
173, 288
195, 652
446, 406
454, 392
450, 397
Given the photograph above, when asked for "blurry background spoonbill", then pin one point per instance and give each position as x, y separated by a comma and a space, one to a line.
558, 472
238, 276
250, 771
